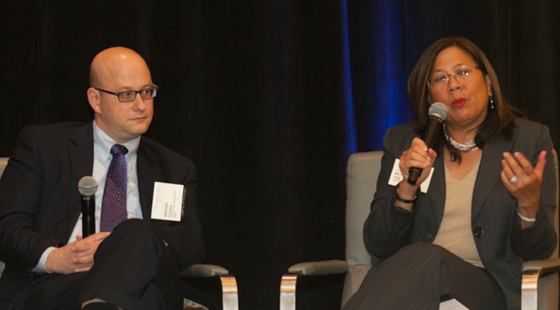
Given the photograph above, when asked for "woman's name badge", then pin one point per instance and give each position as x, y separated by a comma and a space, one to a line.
168, 200
397, 177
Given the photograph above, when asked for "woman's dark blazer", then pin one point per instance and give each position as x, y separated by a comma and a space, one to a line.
502, 245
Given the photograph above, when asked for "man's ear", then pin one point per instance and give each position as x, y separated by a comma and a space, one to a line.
93, 99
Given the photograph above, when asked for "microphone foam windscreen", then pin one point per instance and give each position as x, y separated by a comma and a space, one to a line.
87, 186
438, 109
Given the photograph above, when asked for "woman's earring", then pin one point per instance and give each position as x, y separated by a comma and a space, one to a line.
491, 103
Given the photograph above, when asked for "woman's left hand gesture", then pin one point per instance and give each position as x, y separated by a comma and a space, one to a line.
523, 182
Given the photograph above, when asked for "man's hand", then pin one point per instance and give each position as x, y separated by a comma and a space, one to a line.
76, 256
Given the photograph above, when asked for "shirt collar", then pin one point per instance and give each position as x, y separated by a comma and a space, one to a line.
103, 143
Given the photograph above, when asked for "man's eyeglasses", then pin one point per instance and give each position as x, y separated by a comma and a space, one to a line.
130, 95
463, 72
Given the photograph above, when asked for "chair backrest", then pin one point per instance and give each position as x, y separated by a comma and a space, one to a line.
549, 285
361, 182
556, 219
3, 164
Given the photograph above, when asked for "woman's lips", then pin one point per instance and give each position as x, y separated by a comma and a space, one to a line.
459, 102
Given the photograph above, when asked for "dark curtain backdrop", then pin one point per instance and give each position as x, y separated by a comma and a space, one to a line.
269, 98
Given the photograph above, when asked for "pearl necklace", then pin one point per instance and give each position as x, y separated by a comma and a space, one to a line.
466, 147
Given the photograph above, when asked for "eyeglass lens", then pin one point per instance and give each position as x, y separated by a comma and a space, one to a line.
147, 93
441, 79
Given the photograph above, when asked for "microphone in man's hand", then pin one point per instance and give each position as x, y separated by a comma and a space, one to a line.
437, 113
87, 188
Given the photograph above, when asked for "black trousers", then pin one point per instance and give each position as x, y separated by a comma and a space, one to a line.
421, 275
133, 269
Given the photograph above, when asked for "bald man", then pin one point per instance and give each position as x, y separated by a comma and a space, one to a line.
132, 260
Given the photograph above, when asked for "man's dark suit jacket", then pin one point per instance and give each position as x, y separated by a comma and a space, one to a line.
501, 243
40, 203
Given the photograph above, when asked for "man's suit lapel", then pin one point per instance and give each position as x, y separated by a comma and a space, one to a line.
147, 175
489, 171
80, 150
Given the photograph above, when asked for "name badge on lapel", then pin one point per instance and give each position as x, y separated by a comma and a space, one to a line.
168, 201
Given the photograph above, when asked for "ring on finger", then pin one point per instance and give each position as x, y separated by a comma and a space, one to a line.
513, 179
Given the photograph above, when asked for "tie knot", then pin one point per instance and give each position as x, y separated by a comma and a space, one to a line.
118, 149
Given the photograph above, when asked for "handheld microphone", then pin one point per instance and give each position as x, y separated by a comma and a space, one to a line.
437, 113
87, 188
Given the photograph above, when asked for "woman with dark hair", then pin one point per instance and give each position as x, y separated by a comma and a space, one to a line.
488, 206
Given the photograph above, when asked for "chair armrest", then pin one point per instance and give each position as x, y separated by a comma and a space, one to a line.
543, 266
319, 268
230, 299
289, 280
204, 271
532, 272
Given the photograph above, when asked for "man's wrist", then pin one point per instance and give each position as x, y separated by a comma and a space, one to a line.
42, 264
